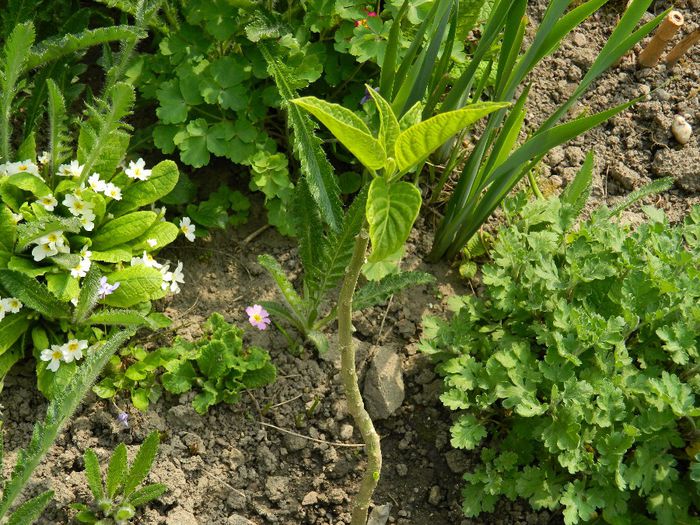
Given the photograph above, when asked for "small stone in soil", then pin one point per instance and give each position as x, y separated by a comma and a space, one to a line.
310, 499
237, 519
180, 516
383, 387
276, 487
401, 469
346, 431
435, 495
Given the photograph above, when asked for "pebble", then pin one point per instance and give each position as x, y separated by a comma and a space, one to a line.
346, 431
681, 130
310, 499
435, 495
180, 516
401, 469
276, 487
383, 387
237, 519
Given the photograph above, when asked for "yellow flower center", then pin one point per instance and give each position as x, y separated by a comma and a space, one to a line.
57, 354
257, 317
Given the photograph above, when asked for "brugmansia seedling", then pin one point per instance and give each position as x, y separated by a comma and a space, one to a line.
117, 499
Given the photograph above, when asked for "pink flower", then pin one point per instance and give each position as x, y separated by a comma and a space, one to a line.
371, 13
258, 316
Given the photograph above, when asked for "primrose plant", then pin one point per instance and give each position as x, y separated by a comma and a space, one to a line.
388, 206
117, 498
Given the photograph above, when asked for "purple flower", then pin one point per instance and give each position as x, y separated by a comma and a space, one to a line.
123, 419
106, 288
367, 96
258, 316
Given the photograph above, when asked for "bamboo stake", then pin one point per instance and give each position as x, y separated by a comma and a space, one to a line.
682, 47
649, 57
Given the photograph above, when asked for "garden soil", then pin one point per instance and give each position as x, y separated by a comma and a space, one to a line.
286, 454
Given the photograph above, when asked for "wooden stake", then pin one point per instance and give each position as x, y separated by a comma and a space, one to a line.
682, 47
649, 57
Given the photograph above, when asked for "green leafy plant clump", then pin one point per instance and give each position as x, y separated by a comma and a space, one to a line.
217, 365
117, 498
576, 371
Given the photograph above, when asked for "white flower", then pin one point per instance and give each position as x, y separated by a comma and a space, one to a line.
5, 169
42, 251
137, 170
113, 191
187, 228
171, 279
53, 239
85, 252
54, 355
11, 305
76, 205
86, 220
25, 166
17, 217
147, 260
49, 202
96, 183
73, 350
44, 158
82, 269
74, 169
152, 242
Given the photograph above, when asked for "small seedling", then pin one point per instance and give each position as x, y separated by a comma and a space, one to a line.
117, 499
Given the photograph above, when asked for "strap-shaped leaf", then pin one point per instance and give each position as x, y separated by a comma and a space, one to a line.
55, 48
374, 293
389, 129
653, 187
164, 177
142, 463
348, 128
12, 327
416, 143
116, 470
33, 294
577, 192
290, 295
31, 510
137, 284
123, 229
93, 474
317, 171
146, 494
87, 298
392, 209
120, 317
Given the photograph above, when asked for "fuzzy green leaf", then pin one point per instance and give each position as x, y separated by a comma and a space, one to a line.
30, 510
142, 463
123, 229
137, 284
116, 470
163, 179
146, 494
33, 294
93, 474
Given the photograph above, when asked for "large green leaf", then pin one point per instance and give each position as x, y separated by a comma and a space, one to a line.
8, 230
163, 179
162, 232
123, 229
33, 294
415, 144
392, 209
63, 286
348, 128
389, 128
28, 182
137, 284
11, 329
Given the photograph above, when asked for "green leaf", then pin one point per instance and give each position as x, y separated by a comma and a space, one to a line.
27, 182
93, 474
162, 232
349, 129
146, 494
392, 209
375, 293
290, 295
179, 380
116, 470
389, 128
33, 294
87, 298
30, 510
114, 255
29, 232
467, 432
163, 179
63, 286
142, 463
577, 192
8, 230
12, 327
206, 398
120, 317
414, 145
123, 229
137, 284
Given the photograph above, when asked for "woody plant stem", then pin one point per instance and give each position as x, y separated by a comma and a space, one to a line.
356, 406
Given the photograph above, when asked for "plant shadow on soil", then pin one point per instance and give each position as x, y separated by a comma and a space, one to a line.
227, 468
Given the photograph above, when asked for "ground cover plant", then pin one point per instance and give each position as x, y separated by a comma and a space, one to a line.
574, 372
117, 498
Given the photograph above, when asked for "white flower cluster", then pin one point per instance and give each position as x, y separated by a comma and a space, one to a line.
171, 279
66, 353
9, 305
49, 245
83, 266
25, 166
